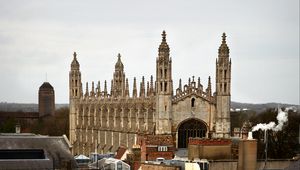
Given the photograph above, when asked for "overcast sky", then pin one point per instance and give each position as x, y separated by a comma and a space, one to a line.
39, 38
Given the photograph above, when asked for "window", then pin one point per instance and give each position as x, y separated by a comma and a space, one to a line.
166, 86
225, 72
161, 73
161, 87
162, 148
225, 87
165, 73
193, 102
119, 165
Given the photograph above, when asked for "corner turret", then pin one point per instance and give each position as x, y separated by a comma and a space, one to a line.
223, 88
75, 79
164, 88
75, 93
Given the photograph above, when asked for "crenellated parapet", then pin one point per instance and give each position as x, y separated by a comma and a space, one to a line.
193, 88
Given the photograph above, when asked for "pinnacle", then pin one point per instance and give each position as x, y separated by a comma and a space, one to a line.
224, 38
164, 36
119, 64
164, 46
74, 54
75, 63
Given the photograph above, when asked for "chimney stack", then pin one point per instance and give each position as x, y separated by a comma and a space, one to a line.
18, 128
250, 135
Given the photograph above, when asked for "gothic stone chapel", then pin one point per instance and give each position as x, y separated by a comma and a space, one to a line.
102, 120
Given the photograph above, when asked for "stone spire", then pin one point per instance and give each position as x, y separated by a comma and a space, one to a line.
92, 93
223, 69
142, 87
208, 90
223, 49
112, 88
151, 86
119, 79
86, 90
164, 36
200, 87
75, 64
119, 65
148, 89
98, 89
134, 92
163, 50
75, 85
127, 88
193, 81
105, 89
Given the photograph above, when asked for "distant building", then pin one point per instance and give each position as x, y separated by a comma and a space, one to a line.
46, 99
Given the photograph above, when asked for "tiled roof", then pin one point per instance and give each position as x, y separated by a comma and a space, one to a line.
159, 140
46, 85
120, 152
201, 141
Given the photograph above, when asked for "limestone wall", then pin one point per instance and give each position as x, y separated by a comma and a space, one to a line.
104, 124
202, 110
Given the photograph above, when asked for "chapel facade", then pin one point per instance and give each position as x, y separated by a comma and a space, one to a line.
101, 120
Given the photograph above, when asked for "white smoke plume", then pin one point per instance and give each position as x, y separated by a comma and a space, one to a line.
281, 117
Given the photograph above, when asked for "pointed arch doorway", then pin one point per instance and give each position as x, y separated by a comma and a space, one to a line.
190, 128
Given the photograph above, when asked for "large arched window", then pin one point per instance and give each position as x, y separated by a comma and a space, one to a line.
190, 128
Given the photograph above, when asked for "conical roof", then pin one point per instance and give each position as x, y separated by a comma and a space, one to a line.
164, 45
46, 85
223, 49
75, 63
119, 65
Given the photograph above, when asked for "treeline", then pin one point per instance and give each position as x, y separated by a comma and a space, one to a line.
56, 125
281, 144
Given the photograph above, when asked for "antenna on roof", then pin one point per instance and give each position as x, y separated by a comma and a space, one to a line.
46, 77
